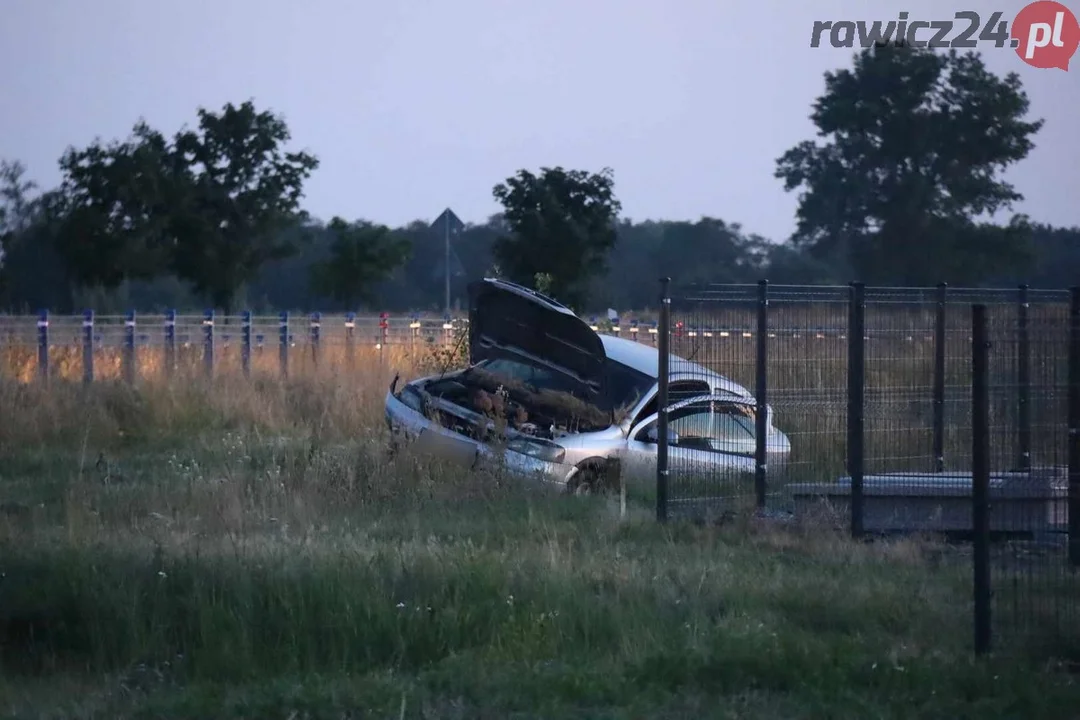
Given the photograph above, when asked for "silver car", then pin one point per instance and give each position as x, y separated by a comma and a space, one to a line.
545, 395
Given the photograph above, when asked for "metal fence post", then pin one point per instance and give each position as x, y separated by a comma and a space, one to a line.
939, 377
980, 474
1023, 380
129, 347
316, 323
384, 332
761, 420
414, 325
170, 342
208, 343
283, 343
1074, 426
88, 347
662, 401
856, 401
245, 343
350, 340
43, 345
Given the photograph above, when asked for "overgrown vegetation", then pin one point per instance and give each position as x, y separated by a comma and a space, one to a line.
247, 549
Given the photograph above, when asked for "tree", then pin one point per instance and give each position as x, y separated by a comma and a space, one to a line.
562, 224
241, 189
362, 255
1057, 259
16, 204
32, 276
16, 196
37, 275
787, 265
901, 189
114, 209
708, 251
16, 211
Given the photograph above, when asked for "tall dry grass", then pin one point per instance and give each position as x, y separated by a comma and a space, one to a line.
807, 376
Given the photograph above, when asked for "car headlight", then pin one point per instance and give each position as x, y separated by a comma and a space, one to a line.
547, 452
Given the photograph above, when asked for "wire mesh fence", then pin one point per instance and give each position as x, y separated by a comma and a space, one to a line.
858, 403
719, 337
1032, 588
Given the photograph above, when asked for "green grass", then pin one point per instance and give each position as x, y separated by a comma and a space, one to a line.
249, 552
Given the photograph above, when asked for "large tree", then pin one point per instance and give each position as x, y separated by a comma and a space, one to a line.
16, 196
708, 251
362, 255
902, 188
241, 190
15, 204
16, 210
562, 227
116, 202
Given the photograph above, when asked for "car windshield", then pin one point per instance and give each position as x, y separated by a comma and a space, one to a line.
533, 377
627, 385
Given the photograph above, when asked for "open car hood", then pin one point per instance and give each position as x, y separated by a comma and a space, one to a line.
510, 321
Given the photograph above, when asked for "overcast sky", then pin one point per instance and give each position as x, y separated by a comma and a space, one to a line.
416, 105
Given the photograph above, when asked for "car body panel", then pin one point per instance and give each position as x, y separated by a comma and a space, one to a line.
735, 459
646, 360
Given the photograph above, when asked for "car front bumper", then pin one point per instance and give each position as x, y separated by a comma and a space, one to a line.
410, 426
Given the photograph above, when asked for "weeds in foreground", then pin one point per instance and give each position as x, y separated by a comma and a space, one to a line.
236, 549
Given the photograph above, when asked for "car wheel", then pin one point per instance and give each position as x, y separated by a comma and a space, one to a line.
590, 481
582, 487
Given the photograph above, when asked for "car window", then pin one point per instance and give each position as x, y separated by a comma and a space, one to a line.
712, 426
685, 389
627, 385
529, 375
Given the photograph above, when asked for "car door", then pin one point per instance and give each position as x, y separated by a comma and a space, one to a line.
710, 442
639, 457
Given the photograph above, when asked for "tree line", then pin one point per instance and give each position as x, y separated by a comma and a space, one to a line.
898, 188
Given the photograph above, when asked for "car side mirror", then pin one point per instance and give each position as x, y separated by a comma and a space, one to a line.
653, 436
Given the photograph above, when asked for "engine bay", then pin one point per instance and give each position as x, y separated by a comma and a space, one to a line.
495, 405
506, 404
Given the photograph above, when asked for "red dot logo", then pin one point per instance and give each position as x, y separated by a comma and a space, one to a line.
1046, 34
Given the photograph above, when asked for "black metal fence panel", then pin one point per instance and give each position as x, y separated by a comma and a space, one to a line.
1035, 591
857, 402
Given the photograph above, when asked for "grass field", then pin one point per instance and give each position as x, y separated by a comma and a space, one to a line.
244, 549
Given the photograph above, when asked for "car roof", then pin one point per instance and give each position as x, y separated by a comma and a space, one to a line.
646, 360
